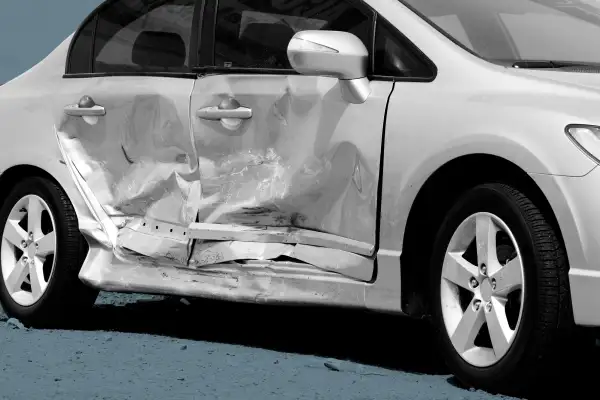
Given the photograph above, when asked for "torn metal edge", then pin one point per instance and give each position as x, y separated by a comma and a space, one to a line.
204, 231
103, 219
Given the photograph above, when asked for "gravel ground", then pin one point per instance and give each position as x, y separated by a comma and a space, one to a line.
149, 347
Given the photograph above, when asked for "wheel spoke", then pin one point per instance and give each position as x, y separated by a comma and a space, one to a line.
36, 278
509, 277
458, 270
34, 217
14, 233
465, 333
16, 277
46, 244
500, 332
485, 235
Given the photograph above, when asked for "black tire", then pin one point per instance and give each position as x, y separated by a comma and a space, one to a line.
546, 320
66, 295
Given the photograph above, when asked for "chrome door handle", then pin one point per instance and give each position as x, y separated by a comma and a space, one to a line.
228, 109
86, 107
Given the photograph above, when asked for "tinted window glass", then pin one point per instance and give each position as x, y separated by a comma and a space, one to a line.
81, 51
513, 30
395, 56
144, 36
256, 34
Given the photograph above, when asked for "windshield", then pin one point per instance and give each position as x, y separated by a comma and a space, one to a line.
513, 30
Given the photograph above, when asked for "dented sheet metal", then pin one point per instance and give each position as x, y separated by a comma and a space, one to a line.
307, 160
138, 159
333, 260
297, 180
265, 234
252, 282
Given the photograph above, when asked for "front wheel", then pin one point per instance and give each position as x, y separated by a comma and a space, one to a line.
41, 253
500, 291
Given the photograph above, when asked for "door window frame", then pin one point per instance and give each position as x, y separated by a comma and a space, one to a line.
206, 52
93, 18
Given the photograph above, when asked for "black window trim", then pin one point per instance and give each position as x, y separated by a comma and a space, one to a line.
206, 65
411, 47
207, 50
194, 44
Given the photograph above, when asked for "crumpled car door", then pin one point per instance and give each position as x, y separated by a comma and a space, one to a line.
292, 167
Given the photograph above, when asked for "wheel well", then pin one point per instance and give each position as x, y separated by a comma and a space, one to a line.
13, 175
433, 201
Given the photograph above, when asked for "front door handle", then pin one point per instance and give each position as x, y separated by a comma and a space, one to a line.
227, 109
86, 107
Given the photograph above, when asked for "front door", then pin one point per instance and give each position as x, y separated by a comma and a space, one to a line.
292, 162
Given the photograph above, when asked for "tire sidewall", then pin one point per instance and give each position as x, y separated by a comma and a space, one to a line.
491, 199
38, 187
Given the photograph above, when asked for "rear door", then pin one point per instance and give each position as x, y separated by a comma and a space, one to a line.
299, 164
123, 123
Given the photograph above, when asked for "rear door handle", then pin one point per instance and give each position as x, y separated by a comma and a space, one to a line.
86, 107
228, 109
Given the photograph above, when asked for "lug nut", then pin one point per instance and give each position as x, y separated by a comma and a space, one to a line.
476, 305
30, 235
25, 260
483, 269
37, 245
473, 282
493, 284
488, 306
24, 244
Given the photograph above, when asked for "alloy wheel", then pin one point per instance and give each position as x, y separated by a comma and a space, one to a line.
482, 289
28, 250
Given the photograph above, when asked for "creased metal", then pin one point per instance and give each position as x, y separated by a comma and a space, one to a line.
264, 234
333, 260
138, 160
306, 161
290, 182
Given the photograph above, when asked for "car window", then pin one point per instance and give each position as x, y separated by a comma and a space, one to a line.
513, 30
256, 34
81, 52
136, 36
395, 56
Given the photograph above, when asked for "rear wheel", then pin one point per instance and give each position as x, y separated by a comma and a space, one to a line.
500, 291
41, 254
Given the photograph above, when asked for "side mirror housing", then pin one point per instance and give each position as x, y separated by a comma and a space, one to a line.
331, 53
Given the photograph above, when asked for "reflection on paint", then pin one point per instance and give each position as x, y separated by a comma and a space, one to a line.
138, 160
285, 168
298, 180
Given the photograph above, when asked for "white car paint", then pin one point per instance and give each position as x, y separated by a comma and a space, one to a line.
471, 107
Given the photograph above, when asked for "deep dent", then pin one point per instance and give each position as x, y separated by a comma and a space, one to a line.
164, 198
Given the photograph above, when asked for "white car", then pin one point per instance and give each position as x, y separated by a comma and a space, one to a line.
430, 158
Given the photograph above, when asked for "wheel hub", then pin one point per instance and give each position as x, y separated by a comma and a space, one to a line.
486, 290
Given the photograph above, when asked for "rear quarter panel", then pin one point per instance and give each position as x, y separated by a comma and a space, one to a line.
27, 115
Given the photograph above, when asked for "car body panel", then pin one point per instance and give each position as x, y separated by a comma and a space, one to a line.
27, 127
137, 162
470, 107
304, 169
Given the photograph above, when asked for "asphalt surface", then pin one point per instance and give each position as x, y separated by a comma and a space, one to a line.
149, 347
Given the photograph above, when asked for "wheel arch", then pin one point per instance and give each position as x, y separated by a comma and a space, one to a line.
11, 175
429, 208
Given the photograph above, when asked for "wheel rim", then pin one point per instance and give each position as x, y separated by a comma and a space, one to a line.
482, 289
28, 249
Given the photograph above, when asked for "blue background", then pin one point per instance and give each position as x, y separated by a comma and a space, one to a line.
31, 29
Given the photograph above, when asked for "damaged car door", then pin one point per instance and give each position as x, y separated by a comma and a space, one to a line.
288, 166
123, 125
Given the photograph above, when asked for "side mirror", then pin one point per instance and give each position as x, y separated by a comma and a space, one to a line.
331, 53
